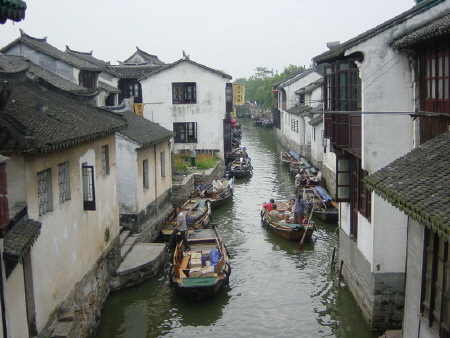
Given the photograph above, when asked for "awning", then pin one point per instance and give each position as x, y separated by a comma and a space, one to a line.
12, 9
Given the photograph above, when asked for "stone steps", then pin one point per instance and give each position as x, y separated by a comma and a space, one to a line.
124, 235
127, 245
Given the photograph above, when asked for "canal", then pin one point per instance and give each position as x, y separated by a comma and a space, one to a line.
275, 289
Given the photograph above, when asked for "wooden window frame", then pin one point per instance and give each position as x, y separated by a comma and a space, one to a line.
184, 92
343, 178
145, 175
64, 182
88, 79
364, 196
106, 169
45, 191
162, 158
88, 181
185, 132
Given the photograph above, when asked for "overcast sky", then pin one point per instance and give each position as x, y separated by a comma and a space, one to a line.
235, 36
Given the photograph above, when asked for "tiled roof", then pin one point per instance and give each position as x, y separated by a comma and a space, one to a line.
419, 183
12, 9
150, 59
335, 53
43, 47
89, 57
171, 65
21, 237
299, 109
143, 131
316, 119
11, 65
40, 119
433, 29
132, 71
293, 78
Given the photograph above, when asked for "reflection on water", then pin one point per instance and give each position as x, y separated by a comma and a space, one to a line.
275, 289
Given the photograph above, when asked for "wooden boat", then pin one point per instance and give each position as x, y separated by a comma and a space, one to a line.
289, 157
241, 167
218, 193
236, 153
200, 268
323, 206
198, 211
285, 229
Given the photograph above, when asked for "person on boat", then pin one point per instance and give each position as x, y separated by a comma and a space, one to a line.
299, 209
181, 227
269, 206
298, 179
274, 213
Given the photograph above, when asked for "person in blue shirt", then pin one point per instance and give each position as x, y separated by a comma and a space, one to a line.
299, 209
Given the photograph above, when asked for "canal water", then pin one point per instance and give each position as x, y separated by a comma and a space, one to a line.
275, 289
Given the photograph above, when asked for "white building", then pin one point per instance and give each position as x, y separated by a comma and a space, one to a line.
294, 131
62, 215
370, 74
189, 99
81, 68
144, 183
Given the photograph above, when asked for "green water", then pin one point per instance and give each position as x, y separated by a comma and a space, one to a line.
275, 289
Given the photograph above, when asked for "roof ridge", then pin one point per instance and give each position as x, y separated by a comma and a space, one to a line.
25, 35
69, 50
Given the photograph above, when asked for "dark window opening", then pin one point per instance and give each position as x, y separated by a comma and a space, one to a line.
110, 100
88, 79
184, 93
130, 88
64, 181
45, 191
105, 159
88, 187
145, 177
185, 132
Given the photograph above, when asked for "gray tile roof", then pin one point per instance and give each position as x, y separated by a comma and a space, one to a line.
171, 65
316, 119
149, 58
132, 71
11, 65
300, 109
89, 57
21, 237
41, 119
432, 29
293, 78
143, 131
41, 45
338, 52
419, 183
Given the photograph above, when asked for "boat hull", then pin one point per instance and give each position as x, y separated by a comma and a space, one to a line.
289, 234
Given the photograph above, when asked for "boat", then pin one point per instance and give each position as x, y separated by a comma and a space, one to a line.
323, 205
217, 193
289, 157
284, 227
198, 211
237, 153
200, 268
241, 168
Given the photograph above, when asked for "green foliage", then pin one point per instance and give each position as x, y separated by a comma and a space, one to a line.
258, 87
204, 161
180, 164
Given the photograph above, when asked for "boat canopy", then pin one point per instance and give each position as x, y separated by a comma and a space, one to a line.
323, 193
295, 155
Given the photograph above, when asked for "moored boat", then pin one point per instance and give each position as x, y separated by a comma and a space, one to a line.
200, 268
241, 168
283, 224
323, 206
289, 157
198, 211
218, 192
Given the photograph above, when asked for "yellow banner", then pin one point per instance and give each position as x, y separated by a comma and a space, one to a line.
138, 109
238, 94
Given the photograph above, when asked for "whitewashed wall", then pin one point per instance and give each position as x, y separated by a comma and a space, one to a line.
71, 239
317, 142
208, 112
127, 178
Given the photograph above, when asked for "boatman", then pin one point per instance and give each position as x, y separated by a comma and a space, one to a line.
299, 209
182, 225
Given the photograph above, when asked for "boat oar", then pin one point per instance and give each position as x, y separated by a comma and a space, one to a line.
305, 230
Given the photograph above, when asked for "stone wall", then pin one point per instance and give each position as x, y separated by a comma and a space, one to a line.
79, 314
380, 296
330, 180
304, 149
181, 190
207, 176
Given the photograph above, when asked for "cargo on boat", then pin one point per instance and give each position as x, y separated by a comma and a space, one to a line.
200, 268
241, 168
323, 205
217, 193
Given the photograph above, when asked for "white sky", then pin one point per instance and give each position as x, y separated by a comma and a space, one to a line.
235, 36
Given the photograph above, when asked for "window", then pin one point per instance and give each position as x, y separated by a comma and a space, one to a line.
64, 181
301, 99
145, 174
364, 196
163, 163
105, 159
184, 92
88, 187
434, 87
343, 86
88, 79
435, 300
185, 132
45, 197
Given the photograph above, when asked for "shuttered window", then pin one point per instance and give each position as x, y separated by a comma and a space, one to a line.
105, 159
64, 181
88, 187
185, 132
184, 93
45, 194
145, 177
